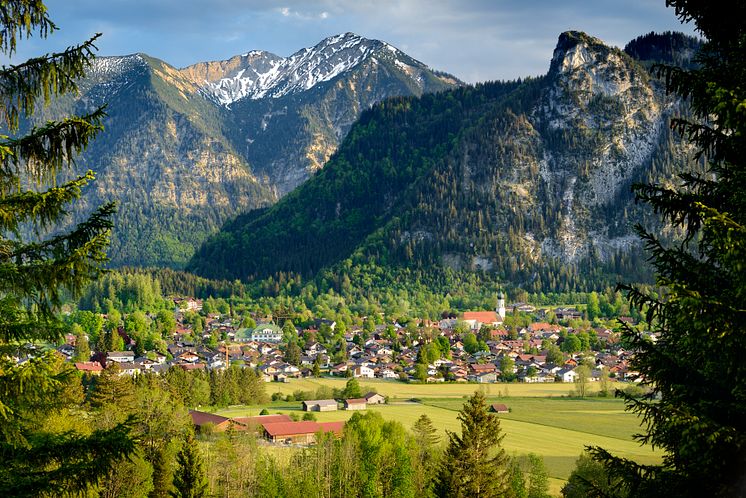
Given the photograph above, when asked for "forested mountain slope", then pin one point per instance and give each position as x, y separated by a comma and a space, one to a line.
527, 181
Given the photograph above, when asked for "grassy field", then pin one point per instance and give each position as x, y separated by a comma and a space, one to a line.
557, 429
401, 390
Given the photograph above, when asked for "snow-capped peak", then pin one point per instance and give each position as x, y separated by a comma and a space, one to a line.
265, 75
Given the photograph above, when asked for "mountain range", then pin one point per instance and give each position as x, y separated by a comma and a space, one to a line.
527, 180
185, 150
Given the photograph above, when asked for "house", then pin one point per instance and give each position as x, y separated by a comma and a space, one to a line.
120, 356
364, 371
89, 367
499, 408
266, 332
355, 404
303, 432
320, 405
374, 398
567, 374
486, 378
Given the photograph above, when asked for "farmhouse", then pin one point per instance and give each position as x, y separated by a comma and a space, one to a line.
320, 405
303, 432
355, 404
374, 398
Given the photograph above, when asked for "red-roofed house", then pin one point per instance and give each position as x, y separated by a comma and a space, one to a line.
91, 367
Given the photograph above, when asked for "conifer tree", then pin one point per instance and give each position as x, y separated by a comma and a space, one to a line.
35, 270
474, 464
190, 480
696, 410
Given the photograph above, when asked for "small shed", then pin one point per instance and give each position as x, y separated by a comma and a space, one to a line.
218, 422
355, 404
320, 405
499, 408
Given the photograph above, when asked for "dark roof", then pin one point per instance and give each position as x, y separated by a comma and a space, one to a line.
371, 394
321, 402
355, 401
201, 418
500, 407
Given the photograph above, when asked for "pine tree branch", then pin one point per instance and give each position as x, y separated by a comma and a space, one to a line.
46, 149
21, 18
47, 76
43, 208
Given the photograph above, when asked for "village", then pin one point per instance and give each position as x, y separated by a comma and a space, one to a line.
474, 347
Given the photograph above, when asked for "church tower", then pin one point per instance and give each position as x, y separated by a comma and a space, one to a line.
501, 305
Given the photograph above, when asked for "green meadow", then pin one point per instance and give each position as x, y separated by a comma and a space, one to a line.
542, 420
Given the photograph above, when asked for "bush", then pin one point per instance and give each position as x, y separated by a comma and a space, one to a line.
264, 412
309, 416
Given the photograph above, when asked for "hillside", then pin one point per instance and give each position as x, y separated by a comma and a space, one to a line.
184, 150
525, 181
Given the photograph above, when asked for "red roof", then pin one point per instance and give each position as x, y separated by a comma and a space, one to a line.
303, 427
335, 427
356, 401
89, 366
481, 316
263, 419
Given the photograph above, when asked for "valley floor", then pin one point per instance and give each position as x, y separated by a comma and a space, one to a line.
542, 420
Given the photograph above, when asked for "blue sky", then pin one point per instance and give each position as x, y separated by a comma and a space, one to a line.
475, 40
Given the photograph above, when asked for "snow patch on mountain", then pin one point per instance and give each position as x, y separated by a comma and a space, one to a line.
266, 75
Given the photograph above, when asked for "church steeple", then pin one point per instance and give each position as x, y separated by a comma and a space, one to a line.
501, 305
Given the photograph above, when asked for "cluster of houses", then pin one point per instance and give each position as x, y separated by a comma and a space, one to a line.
379, 355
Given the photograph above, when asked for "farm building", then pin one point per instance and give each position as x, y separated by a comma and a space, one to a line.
256, 423
499, 408
217, 423
374, 398
303, 432
355, 404
320, 405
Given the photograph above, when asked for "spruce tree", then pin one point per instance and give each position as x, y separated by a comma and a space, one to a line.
474, 464
36, 270
190, 480
696, 410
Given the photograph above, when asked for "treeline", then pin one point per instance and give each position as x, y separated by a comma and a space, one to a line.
383, 294
231, 386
